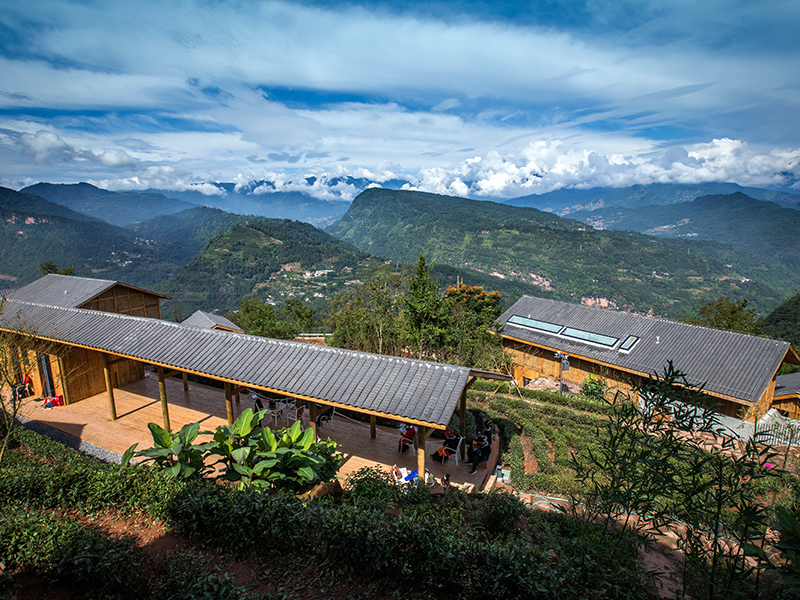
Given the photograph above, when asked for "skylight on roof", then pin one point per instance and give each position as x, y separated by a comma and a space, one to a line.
535, 324
628, 344
590, 336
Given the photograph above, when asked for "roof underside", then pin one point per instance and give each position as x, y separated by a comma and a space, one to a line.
398, 388
731, 364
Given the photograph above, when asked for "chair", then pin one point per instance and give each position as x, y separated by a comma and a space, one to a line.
458, 449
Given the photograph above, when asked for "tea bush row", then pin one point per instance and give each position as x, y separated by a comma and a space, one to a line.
546, 397
480, 546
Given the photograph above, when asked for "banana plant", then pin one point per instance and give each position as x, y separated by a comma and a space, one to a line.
175, 454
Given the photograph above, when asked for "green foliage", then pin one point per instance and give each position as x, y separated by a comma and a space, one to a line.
248, 454
784, 322
258, 318
174, 454
724, 313
50, 267
423, 323
594, 388
667, 462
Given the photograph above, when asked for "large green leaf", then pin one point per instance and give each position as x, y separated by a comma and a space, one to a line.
240, 455
188, 433
161, 437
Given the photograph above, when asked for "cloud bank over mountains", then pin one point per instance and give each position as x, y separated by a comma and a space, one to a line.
460, 97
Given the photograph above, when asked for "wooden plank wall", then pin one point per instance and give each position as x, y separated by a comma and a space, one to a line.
126, 301
85, 376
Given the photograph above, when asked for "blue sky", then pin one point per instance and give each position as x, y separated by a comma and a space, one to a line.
478, 98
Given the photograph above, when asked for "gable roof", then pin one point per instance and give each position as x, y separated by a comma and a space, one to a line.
730, 364
397, 388
68, 291
206, 320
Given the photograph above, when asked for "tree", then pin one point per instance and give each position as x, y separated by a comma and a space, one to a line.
369, 316
423, 322
724, 313
50, 267
469, 318
19, 351
300, 314
257, 318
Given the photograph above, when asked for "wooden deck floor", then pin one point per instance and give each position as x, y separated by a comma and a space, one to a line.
138, 404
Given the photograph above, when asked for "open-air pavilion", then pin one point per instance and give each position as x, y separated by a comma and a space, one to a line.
96, 345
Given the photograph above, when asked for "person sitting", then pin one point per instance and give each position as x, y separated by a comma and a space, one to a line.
448, 448
487, 430
406, 441
324, 416
479, 452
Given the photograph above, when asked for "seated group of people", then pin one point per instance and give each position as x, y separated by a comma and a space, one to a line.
478, 451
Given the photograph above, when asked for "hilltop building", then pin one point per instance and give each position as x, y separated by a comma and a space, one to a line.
736, 369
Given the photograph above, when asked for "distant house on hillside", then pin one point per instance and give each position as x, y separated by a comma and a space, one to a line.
206, 320
736, 369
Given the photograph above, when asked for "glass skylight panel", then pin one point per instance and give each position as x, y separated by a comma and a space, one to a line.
590, 336
534, 324
629, 343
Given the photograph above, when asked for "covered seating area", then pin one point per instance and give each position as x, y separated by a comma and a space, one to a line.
403, 390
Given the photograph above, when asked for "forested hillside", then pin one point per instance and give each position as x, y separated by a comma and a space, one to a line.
269, 258
784, 322
561, 256
756, 226
117, 208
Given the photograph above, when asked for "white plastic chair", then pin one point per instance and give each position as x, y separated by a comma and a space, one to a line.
458, 449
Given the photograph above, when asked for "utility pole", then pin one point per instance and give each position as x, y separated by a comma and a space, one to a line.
564, 367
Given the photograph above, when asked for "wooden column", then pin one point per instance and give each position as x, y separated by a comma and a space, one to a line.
372, 423
185, 381
312, 416
162, 391
229, 402
63, 377
109, 388
423, 433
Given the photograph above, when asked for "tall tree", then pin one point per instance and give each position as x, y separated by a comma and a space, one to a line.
49, 267
423, 319
257, 318
724, 313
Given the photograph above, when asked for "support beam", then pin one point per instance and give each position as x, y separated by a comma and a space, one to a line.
229, 402
162, 391
372, 422
64, 383
312, 416
185, 381
112, 407
423, 433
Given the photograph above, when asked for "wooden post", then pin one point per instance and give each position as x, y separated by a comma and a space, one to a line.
112, 407
312, 416
162, 390
63, 377
422, 436
185, 381
236, 391
229, 402
372, 423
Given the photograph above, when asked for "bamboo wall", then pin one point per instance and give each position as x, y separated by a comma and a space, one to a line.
126, 301
86, 377
530, 363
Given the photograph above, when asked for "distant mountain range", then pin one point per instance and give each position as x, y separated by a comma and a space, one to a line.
200, 253
562, 258
117, 208
760, 227
568, 201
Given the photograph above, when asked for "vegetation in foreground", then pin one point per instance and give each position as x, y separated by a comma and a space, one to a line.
405, 544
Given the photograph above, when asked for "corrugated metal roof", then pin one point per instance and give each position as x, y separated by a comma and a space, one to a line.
370, 382
68, 291
787, 385
728, 363
209, 321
